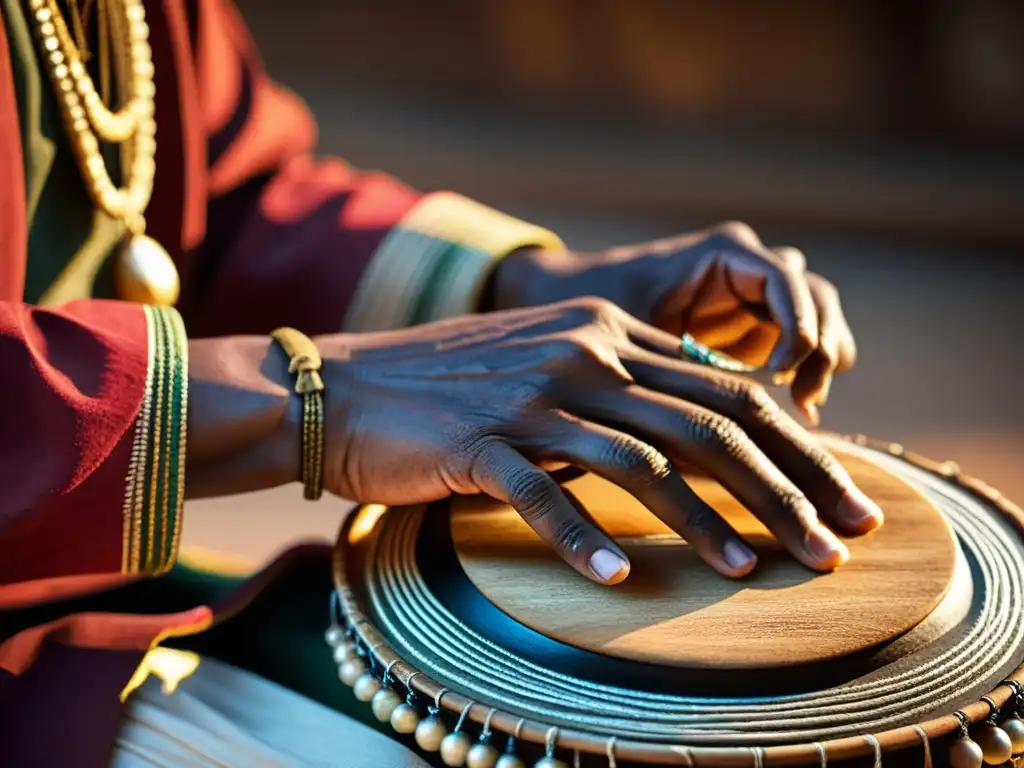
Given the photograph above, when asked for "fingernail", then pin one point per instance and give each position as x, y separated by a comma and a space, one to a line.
738, 555
783, 378
608, 566
825, 548
810, 412
856, 509
824, 391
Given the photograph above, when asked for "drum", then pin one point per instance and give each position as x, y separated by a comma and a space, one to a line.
457, 625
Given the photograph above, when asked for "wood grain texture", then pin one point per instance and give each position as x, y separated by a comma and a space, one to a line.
675, 610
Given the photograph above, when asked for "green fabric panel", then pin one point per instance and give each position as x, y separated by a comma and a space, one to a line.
280, 635
59, 209
440, 280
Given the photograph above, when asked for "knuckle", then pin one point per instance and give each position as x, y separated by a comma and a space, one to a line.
569, 535
828, 351
639, 461
591, 352
758, 408
572, 352
754, 400
823, 461
714, 431
593, 309
738, 232
468, 441
793, 258
825, 287
700, 521
794, 504
530, 493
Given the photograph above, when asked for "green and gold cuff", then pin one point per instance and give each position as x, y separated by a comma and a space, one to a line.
155, 487
436, 261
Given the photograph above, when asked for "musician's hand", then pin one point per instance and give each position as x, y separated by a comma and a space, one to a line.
722, 285
486, 403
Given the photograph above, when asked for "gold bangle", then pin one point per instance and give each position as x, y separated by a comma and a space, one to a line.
304, 359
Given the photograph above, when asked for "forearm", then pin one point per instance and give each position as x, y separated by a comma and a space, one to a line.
243, 426
532, 276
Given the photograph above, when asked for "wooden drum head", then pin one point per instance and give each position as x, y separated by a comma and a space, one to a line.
673, 610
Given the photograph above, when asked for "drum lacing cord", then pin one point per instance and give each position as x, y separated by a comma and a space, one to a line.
925, 747
387, 671
462, 716
870, 739
550, 740
822, 754
510, 745
437, 699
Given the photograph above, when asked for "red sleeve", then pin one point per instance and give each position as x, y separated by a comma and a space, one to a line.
91, 431
289, 234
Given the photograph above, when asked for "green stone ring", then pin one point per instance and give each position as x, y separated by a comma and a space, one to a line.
696, 352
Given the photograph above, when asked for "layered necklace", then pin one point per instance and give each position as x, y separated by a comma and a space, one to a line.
143, 270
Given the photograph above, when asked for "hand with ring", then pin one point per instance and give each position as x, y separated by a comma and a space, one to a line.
723, 286
489, 403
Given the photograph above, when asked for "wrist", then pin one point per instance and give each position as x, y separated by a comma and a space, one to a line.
530, 277
244, 420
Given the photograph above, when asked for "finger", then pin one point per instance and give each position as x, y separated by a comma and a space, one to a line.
793, 257
833, 326
709, 440
791, 448
759, 275
790, 304
649, 476
650, 338
811, 385
755, 347
504, 474
722, 329
836, 349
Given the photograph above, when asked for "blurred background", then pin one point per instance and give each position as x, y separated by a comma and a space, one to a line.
883, 137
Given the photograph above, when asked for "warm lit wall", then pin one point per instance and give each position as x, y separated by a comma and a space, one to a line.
935, 68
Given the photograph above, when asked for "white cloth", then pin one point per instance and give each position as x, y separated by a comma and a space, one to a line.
225, 717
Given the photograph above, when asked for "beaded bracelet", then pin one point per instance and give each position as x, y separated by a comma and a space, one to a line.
304, 359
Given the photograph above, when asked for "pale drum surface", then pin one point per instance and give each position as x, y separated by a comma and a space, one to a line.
674, 610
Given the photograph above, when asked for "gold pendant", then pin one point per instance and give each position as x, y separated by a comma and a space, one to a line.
145, 273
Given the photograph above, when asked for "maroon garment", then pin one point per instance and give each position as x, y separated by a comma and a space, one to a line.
263, 234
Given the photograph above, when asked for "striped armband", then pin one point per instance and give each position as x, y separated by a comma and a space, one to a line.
155, 487
436, 261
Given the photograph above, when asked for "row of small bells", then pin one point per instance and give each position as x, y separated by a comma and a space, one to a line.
992, 742
455, 748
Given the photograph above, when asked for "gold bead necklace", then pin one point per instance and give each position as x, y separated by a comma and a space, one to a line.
144, 271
